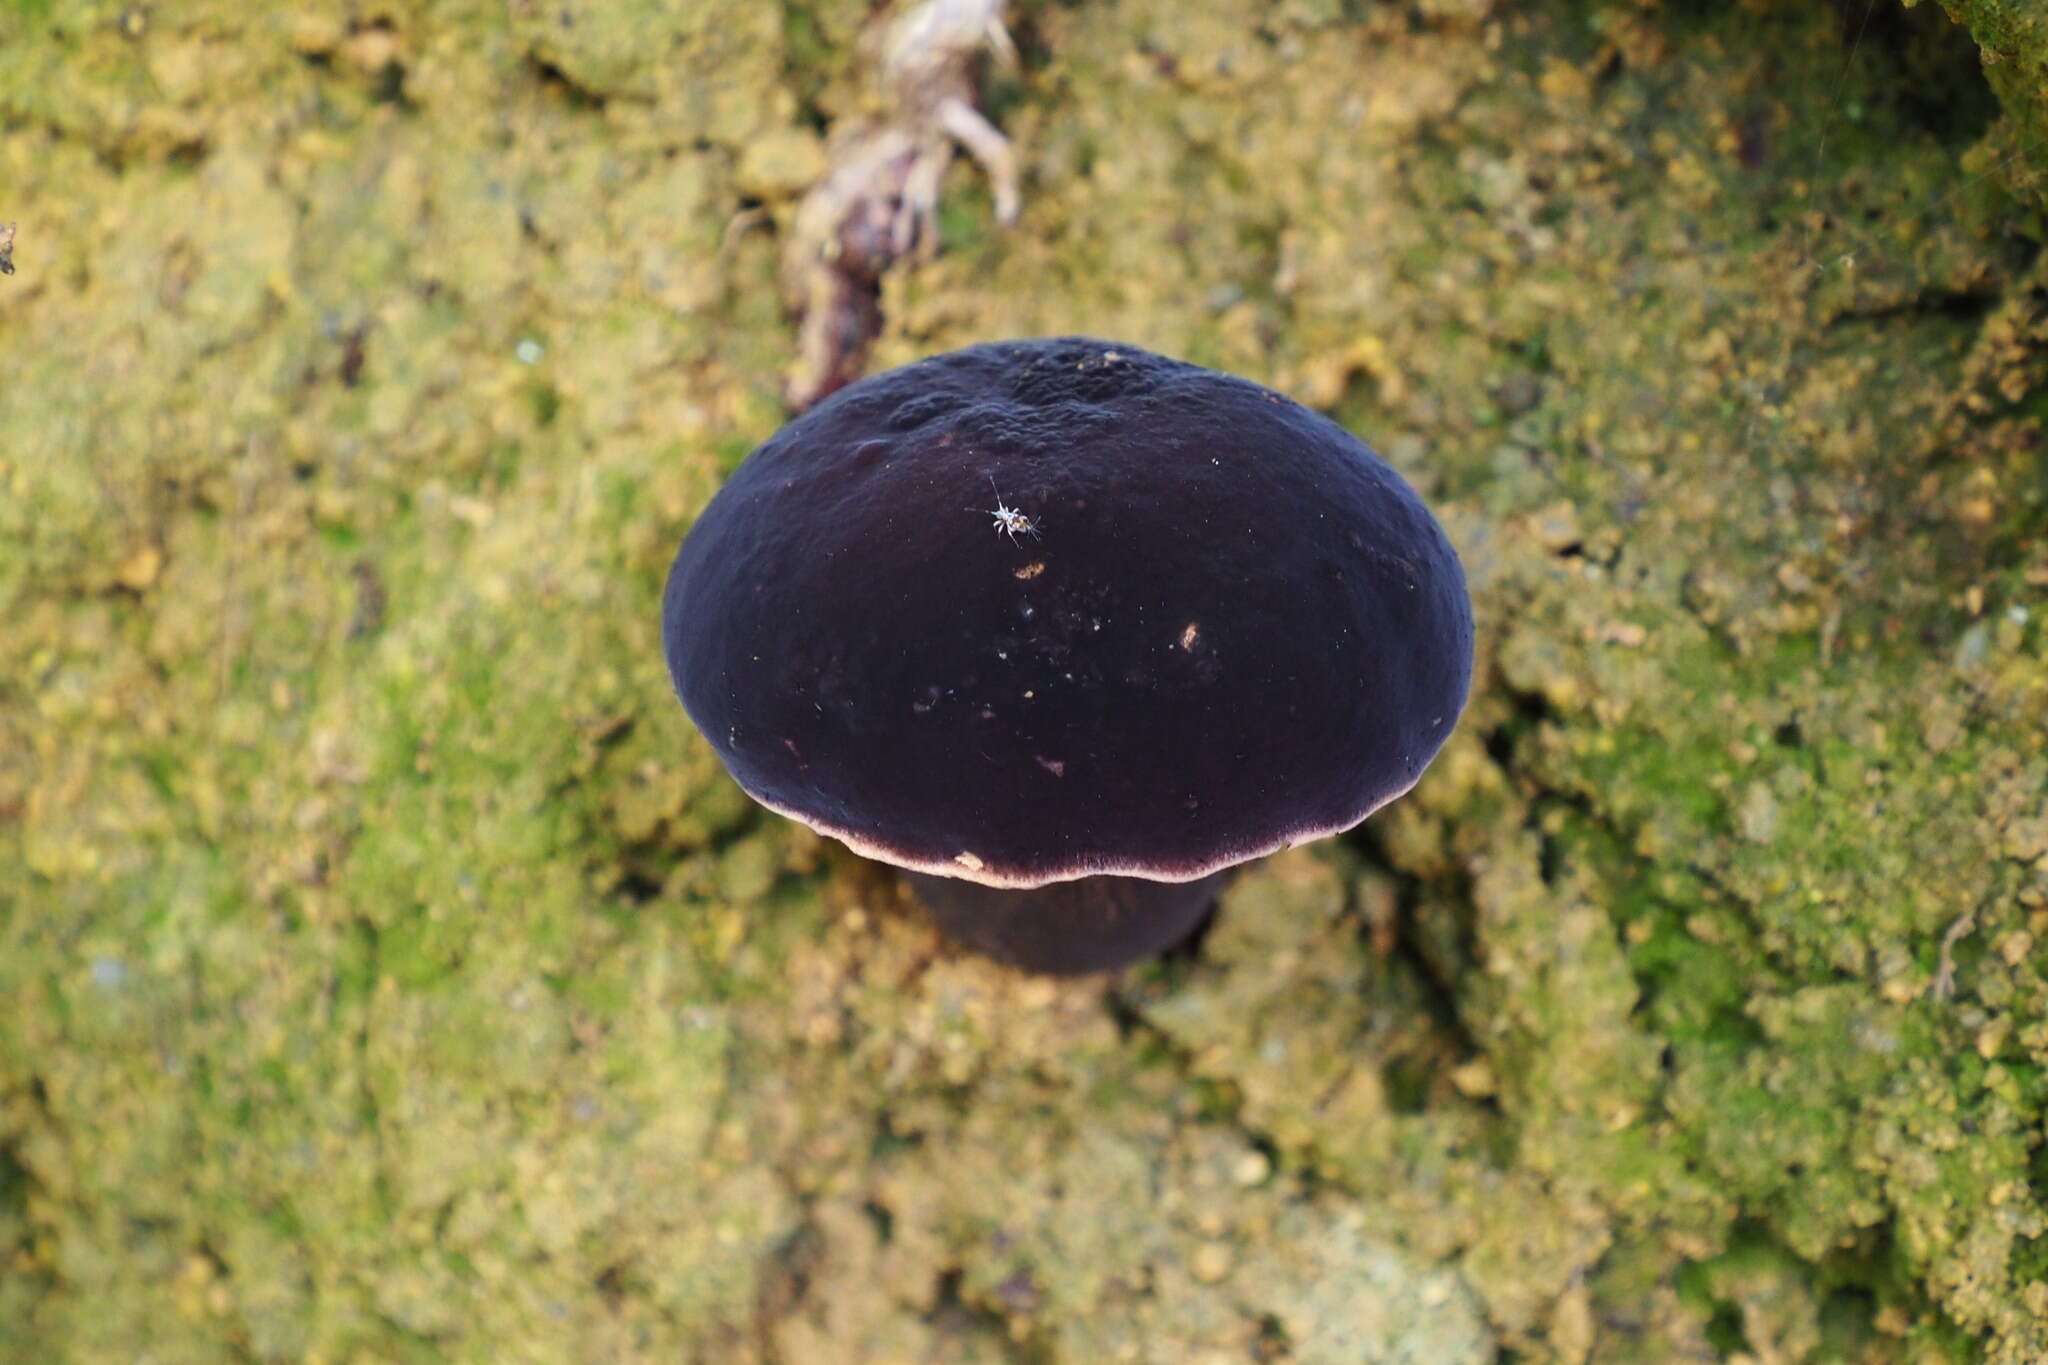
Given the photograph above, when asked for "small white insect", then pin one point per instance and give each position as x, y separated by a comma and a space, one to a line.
1009, 520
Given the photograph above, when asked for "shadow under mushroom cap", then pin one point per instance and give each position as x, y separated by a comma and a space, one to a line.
1215, 623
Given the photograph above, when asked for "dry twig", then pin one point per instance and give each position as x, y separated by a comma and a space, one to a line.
879, 200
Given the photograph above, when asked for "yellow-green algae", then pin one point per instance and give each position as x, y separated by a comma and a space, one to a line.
391, 976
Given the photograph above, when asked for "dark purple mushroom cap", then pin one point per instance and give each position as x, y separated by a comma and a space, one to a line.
1225, 625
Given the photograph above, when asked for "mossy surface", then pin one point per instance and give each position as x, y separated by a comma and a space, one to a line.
391, 975
2012, 37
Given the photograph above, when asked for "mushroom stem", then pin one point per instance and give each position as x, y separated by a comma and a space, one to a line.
1090, 924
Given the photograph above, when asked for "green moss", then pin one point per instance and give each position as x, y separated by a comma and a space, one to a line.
392, 975
2013, 38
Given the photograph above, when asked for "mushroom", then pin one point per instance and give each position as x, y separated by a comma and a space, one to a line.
1205, 624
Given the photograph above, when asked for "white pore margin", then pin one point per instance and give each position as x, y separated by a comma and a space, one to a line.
968, 866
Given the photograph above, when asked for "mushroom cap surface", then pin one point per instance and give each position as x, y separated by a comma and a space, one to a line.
1223, 625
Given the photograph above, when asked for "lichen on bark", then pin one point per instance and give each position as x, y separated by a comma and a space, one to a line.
391, 975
